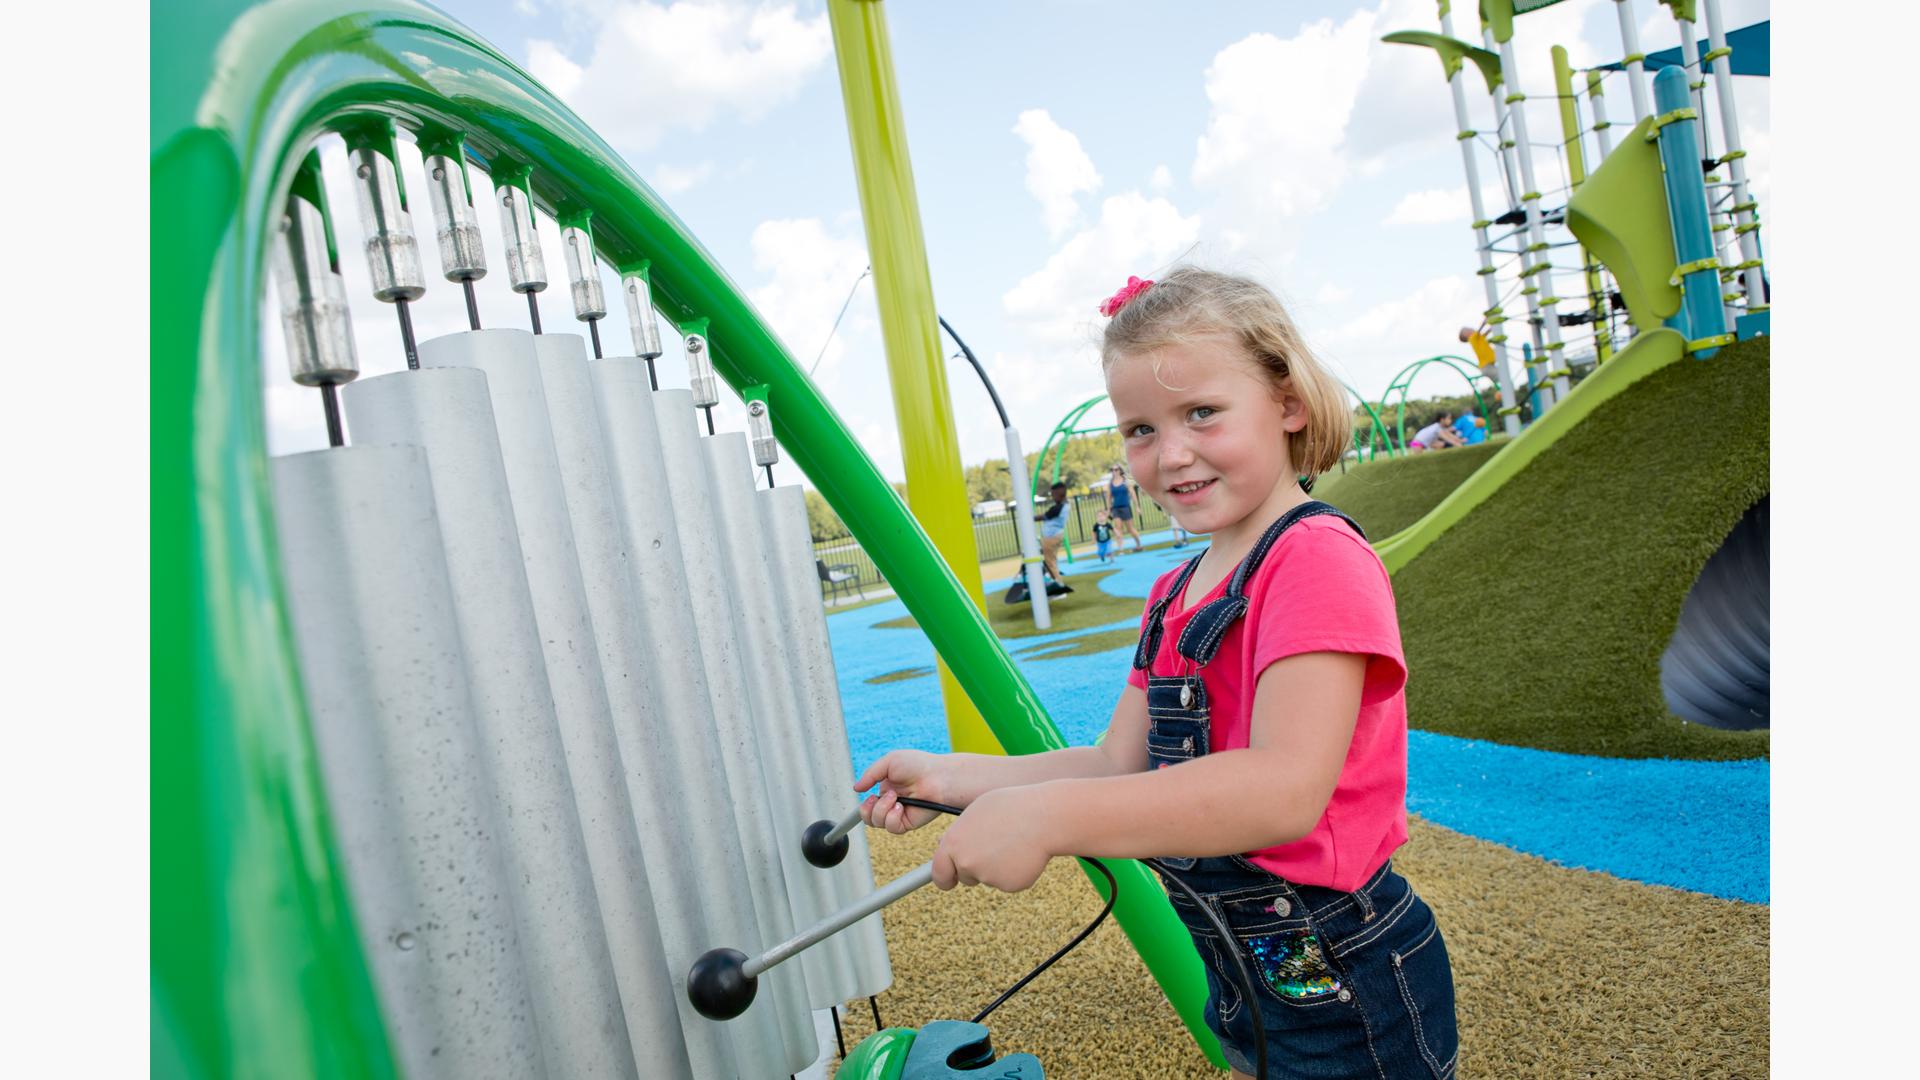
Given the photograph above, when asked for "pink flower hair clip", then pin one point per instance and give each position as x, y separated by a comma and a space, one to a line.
1134, 287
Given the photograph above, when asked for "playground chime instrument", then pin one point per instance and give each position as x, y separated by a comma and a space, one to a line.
570, 679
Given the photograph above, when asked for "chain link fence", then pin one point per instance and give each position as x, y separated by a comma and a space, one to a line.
995, 537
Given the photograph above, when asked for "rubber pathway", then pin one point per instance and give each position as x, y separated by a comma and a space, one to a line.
1695, 825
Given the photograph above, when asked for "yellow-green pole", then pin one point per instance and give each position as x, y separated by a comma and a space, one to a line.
1577, 175
936, 487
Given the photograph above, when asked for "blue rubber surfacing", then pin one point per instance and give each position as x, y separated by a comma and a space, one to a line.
1695, 825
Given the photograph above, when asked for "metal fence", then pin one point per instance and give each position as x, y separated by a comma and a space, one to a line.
995, 536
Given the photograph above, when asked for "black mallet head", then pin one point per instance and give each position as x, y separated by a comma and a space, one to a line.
719, 986
813, 844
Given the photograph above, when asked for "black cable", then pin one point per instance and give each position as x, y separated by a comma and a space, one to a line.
1113, 895
975, 361
1239, 966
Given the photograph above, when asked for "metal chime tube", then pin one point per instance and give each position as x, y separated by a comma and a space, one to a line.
1494, 315
513, 362
641, 319
628, 664
526, 267
791, 762
712, 597
808, 662
393, 254
576, 1002
689, 836
583, 276
313, 298
463, 257
1747, 223
1636, 67
373, 622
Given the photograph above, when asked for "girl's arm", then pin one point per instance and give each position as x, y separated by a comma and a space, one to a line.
1226, 803
959, 779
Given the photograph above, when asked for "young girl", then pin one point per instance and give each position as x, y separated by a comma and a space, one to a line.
1259, 747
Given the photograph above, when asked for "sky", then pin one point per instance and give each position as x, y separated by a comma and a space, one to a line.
1056, 148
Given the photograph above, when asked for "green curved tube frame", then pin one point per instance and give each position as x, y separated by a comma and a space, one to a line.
256, 968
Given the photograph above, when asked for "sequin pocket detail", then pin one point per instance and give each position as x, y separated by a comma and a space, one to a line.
1293, 964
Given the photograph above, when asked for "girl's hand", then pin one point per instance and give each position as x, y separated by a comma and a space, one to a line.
913, 773
1000, 841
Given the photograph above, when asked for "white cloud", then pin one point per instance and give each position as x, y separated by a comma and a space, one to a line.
1057, 303
1162, 179
1429, 207
809, 269
700, 59
1332, 293
1443, 206
1058, 170
673, 179
1368, 349
1278, 116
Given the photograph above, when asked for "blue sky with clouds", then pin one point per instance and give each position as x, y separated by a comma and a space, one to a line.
1057, 148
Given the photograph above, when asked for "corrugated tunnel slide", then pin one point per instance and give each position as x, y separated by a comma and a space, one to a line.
1715, 668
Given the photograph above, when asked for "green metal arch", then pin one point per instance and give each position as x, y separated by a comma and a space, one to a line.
1404, 381
256, 967
1057, 439
1380, 437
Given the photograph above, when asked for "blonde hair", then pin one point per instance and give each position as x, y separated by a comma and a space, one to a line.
1189, 303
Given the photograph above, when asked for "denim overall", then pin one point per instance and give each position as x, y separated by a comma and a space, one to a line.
1350, 984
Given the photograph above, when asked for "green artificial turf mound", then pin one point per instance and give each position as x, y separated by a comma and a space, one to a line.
1389, 494
1539, 618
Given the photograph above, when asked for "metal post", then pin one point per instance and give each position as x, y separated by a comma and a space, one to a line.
1696, 75
1577, 175
1536, 228
930, 447
1698, 269
1634, 60
1520, 184
1017, 468
1495, 315
1602, 127
1747, 221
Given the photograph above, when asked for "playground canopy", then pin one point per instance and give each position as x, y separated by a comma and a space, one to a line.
1751, 47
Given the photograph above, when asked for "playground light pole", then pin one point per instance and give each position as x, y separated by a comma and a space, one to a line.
1030, 563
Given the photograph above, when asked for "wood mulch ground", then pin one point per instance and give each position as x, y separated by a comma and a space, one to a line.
1558, 973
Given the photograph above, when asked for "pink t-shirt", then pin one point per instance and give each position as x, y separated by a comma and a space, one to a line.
1321, 589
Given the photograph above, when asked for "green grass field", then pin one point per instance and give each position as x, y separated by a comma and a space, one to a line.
1539, 619
1389, 494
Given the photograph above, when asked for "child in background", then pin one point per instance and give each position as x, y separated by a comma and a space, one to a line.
1103, 536
1259, 747
1053, 530
1435, 436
